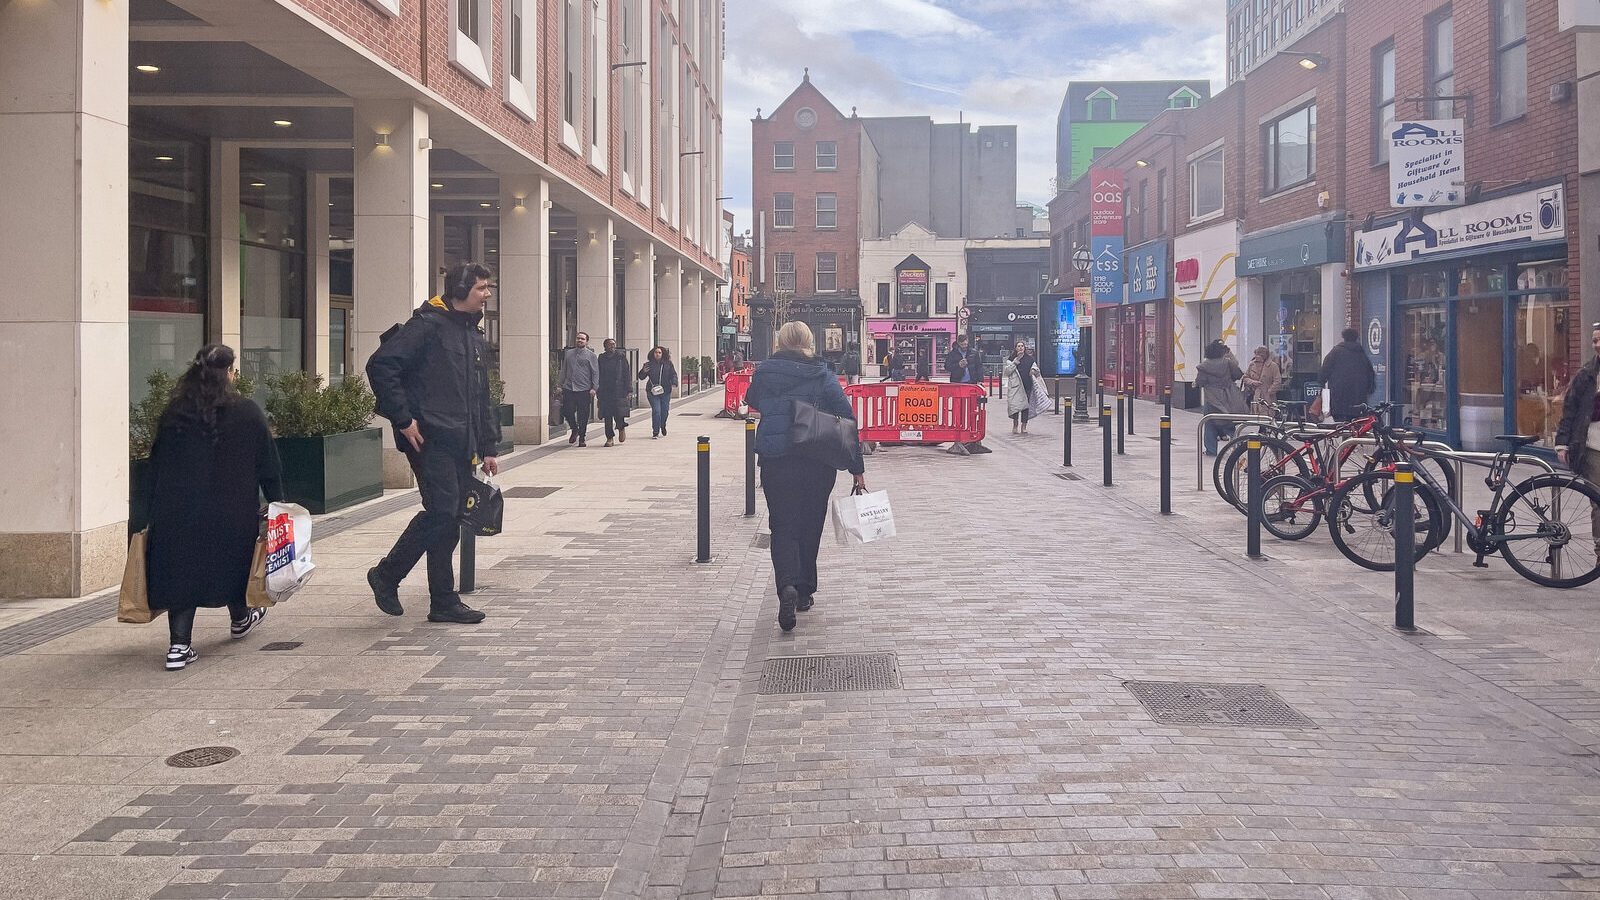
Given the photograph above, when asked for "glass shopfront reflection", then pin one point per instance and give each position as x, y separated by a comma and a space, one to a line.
272, 266
168, 274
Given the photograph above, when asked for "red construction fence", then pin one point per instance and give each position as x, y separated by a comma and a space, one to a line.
919, 412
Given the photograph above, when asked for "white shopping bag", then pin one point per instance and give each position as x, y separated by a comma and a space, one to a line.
863, 518
288, 550
1039, 403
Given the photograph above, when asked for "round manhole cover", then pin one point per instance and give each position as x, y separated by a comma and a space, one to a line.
200, 757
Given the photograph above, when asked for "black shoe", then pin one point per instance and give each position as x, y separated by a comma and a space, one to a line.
250, 621
573, 437
583, 442
787, 599
387, 595
805, 603
456, 612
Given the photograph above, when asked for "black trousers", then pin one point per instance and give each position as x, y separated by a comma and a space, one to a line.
442, 473
797, 493
616, 418
575, 410
180, 622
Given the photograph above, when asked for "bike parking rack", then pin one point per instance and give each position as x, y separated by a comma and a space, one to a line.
1200, 436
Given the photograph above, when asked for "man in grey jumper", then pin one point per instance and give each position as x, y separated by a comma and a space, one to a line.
580, 378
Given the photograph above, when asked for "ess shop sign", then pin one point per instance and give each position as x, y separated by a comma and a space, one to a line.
1186, 272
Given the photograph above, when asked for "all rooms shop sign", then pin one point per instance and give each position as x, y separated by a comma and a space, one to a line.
1425, 163
1531, 217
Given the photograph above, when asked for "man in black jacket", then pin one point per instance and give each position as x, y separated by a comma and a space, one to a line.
616, 383
1347, 374
431, 378
962, 363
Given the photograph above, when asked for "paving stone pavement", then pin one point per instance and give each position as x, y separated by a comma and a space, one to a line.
602, 735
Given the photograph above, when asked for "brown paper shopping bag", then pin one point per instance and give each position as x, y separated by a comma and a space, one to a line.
133, 604
255, 592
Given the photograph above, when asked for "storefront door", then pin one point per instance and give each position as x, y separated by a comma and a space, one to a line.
1425, 397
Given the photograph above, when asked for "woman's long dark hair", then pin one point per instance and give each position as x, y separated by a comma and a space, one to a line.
203, 389
666, 355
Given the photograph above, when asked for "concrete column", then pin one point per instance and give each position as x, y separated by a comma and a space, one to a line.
225, 308
392, 274
318, 267
525, 302
692, 320
64, 325
640, 302
597, 286
708, 316
669, 308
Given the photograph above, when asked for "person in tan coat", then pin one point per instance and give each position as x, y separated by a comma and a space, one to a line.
1262, 380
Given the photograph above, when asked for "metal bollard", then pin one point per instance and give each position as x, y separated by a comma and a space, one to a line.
1080, 385
1120, 401
469, 562
703, 538
1131, 394
1405, 548
1253, 496
1166, 465
1066, 436
1166, 400
1105, 444
1058, 396
749, 467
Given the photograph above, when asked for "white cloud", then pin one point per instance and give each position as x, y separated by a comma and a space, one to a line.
918, 19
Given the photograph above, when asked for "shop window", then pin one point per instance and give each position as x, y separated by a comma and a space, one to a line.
941, 299
783, 155
827, 156
783, 210
827, 273
785, 271
1291, 144
883, 298
1442, 64
1539, 340
272, 265
1423, 337
827, 211
1205, 186
1510, 60
1382, 100
168, 271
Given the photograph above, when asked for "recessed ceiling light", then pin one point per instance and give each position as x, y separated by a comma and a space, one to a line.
282, 123
436, 185
492, 250
148, 69
258, 184
163, 159
484, 205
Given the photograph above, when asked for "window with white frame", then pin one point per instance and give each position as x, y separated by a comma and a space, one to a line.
599, 86
785, 271
1442, 63
827, 273
635, 103
783, 210
1205, 185
1510, 59
571, 70
827, 156
392, 7
783, 155
827, 211
1291, 149
470, 38
521, 31
1382, 100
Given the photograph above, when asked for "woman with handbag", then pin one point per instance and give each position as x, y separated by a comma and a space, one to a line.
1020, 371
213, 452
662, 377
806, 435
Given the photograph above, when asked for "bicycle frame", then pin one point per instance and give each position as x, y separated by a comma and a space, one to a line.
1500, 478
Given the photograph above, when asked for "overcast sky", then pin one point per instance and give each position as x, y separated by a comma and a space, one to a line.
998, 62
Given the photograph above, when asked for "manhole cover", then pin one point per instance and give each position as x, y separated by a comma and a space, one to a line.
831, 674
525, 493
281, 645
762, 541
690, 415
1200, 703
200, 757
1069, 476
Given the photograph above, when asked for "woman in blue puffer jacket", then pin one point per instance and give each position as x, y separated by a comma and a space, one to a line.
796, 487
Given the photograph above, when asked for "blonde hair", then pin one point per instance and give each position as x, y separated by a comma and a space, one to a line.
797, 336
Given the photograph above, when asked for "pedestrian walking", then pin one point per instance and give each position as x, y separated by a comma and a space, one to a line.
1262, 380
796, 487
896, 366
660, 377
615, 388
1019, 371
580, 383
1578, 435
1217, 377
961, 363
213, 451
1347, 374
924, 367
431, 378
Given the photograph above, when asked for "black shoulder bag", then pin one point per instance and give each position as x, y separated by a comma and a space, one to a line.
823, 436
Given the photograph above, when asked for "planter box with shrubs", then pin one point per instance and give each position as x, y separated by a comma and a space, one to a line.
331, 458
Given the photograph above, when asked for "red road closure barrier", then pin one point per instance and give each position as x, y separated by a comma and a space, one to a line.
919, 412
734, 386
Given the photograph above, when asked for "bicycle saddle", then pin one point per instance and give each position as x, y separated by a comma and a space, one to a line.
1518, 440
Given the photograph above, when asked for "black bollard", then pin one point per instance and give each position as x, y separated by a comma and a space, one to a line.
1253, 497
1166, 400
469, 561
703, 538
1066, 436
1058, 396
1405, 548
1166, 465
749, 467
1105, 444
1121, 401
1131, 394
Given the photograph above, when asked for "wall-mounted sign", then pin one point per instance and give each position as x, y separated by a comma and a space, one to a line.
1085, 300
1147, 272
1105, 269
1105, 203
1295, 247
1426, 163
1530, 217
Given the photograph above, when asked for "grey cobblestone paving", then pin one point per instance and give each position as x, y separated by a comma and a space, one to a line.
601, 735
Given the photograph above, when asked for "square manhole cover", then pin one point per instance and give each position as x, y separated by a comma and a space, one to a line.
831, 674
1069, 476
1202, 703
528, 493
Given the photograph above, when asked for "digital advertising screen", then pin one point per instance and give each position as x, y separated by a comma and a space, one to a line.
1060, 336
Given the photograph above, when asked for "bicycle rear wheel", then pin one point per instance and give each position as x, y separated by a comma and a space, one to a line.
1291, 507
1546, 526
1277, 458
1442, 473
1361, 517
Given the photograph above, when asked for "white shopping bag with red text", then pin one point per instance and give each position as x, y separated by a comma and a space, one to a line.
288, 550
862, 518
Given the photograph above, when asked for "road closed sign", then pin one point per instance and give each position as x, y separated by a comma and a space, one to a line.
919, 406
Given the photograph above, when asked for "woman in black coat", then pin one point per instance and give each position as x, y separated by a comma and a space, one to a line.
213, 452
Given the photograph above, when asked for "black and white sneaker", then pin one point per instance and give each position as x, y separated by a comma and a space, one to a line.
242, 627
179, 656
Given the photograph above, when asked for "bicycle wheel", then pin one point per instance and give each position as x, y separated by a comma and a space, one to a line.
1291, 507
1442, 472
1277, 458
1361, 519
1545, 525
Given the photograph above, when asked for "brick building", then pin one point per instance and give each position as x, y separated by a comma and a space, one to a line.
290, 178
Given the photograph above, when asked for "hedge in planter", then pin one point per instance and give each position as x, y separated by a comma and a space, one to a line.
331, 458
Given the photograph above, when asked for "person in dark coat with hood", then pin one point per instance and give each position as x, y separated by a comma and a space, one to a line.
1578, 435
431, 378
1347, 374
212, 454
615, 386
796, 487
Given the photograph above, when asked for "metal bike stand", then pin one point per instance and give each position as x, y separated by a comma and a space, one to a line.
1200, 440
